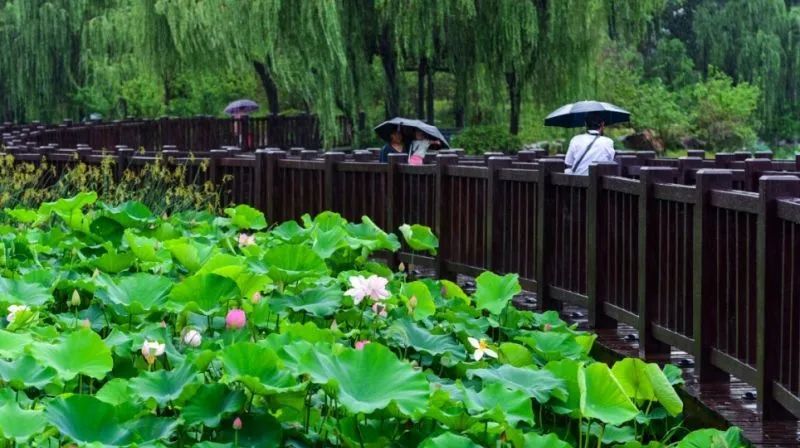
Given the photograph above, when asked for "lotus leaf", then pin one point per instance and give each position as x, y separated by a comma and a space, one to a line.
494, 292
24, 371
20, 424
13, 344
515, 354
370, 236
425, 306
448, 440
643, 381
319, 302
451, 291
258, 368
602, 397
496, 402
713, 438
567, 371
163, 385
212, 403
135, 294
533, 440
290, 232
21, 292
190, 253
419, 237
203, 293
290, 263
245, 217
409, 334
552, 346
259, 430
130, 214
539, 384
79, 353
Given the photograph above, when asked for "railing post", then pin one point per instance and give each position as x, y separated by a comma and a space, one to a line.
704, 276
271, 178
442, 218
768, 276
685, 167
544, 239
752, 171
596, 243
331, 186
649, 347
723, 159
259, 169
123, 161
494, 210
392, 212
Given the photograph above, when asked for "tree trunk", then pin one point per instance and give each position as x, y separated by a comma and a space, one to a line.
269, 87
460, 100
422, 71
515, 97
389, 61
430, 94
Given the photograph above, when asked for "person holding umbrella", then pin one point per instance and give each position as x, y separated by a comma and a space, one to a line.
425, 136
394, 145
592, 146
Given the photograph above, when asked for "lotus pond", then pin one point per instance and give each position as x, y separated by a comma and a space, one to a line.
122, 328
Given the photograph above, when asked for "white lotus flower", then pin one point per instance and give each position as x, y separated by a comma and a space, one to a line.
246, 240
373, 287
152, 350
481, 348
192, 338
13, 310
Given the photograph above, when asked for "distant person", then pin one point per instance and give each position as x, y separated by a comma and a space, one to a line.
395, 146
586, 149
419, 147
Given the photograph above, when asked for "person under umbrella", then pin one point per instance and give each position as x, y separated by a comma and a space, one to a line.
236, 110
592, 146
424, 136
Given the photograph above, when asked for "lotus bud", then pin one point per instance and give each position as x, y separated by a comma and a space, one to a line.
256, 298
237, 424
401, 267
192, 338
162, 324
235, 319
548, 327
360, 344
334, 325
85, 323
412, 303
76, 298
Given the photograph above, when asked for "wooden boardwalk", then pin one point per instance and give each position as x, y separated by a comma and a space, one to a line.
731, 403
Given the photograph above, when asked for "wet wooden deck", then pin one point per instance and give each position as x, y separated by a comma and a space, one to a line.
715, 404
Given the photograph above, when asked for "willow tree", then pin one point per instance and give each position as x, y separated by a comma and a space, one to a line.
753, 41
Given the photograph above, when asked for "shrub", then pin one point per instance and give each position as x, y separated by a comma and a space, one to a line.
480, 139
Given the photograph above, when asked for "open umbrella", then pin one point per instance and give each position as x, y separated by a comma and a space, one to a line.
241, 107
385, 129
574, 115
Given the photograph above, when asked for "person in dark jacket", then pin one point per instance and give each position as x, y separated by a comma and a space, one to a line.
395, 146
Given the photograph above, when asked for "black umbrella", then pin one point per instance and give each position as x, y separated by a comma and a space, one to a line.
574, 115
385, 129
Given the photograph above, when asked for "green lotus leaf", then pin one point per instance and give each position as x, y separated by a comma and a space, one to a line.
408, 334
498, 403
318, 302
117, 392
643, 381
369, 379
493, 292
21, 292
602, 397
79, 353
420, 238
13, 344
534, 440
452, 291
713, 438
191, 254
106, 229
291, 232
259, 430
129, 214
245, 217
114, 262
163, 385
674, 374
326, 242
539, 384
203, 293
236, 269
448, 440
324, 221
567, 371
552, 346
425, 305
149, 429
20, 424
134, 294
290, 263
65, 207
212, 403
24, 371
611, 434
85, 419
146, 249
257, 367
23, 215
515, 354
368, 235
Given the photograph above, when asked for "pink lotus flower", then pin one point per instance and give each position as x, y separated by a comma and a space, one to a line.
85, 323
235, 319
256, 298
373, 287
246, 240
237, 424
360, 344
379, 309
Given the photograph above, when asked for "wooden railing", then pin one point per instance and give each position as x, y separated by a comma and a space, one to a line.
676, 248
190, 134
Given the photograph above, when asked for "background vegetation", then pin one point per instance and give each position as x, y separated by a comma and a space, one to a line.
725, 72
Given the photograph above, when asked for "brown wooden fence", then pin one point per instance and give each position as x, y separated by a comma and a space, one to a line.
190, 134
700, 255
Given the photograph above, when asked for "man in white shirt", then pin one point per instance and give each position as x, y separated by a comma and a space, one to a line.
586, 149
